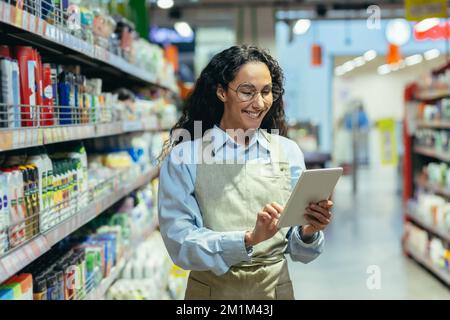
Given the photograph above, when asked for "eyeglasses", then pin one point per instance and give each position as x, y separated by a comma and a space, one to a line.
247, 92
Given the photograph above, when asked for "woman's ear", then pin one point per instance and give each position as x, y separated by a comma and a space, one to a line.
220, 92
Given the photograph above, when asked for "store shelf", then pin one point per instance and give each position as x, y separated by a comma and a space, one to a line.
11, 139
436, 189
18, 258
433, 124
441, 274
41, 34
440, 232
432, 95
100, 292
433, 154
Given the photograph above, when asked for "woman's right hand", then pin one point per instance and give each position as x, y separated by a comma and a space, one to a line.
266, 224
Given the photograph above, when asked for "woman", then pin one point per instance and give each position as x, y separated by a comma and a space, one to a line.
218, 216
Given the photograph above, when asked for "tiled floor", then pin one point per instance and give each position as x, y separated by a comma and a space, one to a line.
366, 231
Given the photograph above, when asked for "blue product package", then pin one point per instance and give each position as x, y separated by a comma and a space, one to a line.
16, 94
6, 294
65, 116
111, 238
46, 8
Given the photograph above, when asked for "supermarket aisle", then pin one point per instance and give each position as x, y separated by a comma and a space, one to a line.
366, 231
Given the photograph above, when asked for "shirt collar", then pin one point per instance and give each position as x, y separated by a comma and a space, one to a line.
221, 138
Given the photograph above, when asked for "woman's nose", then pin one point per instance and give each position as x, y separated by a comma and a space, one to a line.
259, 101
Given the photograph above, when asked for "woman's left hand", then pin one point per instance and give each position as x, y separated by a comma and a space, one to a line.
318, 217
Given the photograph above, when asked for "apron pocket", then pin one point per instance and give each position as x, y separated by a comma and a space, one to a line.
197, 291
284, 291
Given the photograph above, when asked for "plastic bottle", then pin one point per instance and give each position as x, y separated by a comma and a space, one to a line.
60, 279
4, 211
64, 95
56, 184
17, 218
34, 195
52, 286
35, 159
39, 288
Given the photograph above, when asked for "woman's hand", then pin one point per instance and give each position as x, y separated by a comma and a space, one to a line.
318, 217
266, 224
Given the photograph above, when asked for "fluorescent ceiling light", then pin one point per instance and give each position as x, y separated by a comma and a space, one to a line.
398, 31
359, 61
165, 4
370, 55
431, 54
426, 24
184, 29
414, 59
384, 69
301, 26
339, 71
348, 66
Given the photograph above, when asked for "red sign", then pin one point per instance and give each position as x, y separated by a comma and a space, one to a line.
438, 32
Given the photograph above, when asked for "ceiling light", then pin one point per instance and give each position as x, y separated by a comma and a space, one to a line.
431, 54
414, 59
165, 4
359, 61
184, 29
426, 24
398, 32
339, 71
384, 69
301, 26
348, 66
370, 55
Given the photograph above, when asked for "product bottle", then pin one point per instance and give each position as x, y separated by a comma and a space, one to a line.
64, 95
52, 288
27, 67
48, 94
49, 168
16, 93
4, 214
60, 278
17, 233
39, 288
35, 159
28, 201
34, 194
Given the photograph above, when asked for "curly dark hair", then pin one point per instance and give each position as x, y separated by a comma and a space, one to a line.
203, 103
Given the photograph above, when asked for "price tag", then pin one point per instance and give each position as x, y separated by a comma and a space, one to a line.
32, 23
35, 136
40, 136
11, 138
25, 20
16, 15
3, 7
51, 32
42, 27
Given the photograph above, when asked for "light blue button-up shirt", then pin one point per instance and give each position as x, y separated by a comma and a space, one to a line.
194, 247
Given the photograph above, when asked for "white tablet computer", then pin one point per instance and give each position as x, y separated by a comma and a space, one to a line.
312, 186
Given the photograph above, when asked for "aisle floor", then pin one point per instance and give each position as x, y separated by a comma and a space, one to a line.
366, 231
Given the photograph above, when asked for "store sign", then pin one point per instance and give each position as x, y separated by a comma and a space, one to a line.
416, 10
389, 152
168, 35
438, 32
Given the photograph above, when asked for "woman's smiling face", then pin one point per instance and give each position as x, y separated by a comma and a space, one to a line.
238, 114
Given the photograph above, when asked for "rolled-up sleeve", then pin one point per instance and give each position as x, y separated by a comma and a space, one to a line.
190, 245
305, 252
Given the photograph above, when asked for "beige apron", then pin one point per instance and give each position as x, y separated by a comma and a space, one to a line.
229, 197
